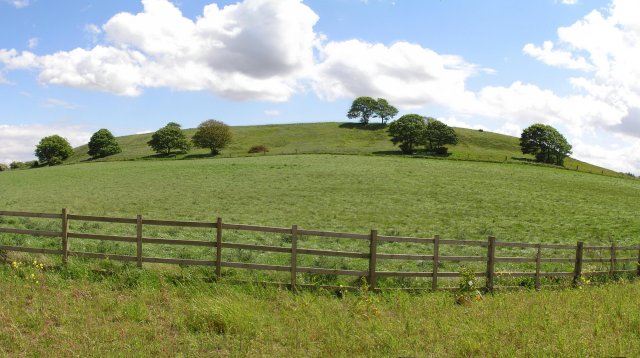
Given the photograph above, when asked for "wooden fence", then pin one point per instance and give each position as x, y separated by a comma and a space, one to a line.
373, 238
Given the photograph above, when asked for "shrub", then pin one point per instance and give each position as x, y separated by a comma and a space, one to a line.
53, 150
3, 167
258, 149
467, 288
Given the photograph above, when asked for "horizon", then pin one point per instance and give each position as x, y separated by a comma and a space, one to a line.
495, 65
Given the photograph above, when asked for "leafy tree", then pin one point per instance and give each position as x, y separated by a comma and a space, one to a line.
3, 167
103, 144
213, 135
168, 138
23, 165
407, 130
363, 108
384, 110
438, 134
53, 150
546, 143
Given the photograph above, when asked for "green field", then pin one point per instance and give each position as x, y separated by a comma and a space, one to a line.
121, 310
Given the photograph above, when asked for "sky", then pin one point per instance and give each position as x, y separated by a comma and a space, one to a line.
71, 67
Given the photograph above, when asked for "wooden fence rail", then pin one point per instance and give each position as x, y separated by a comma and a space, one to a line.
372, 255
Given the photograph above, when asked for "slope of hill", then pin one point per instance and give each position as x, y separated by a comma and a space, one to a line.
336, 138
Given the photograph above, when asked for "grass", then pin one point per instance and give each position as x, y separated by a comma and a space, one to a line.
336, 138
395, 195
77, 312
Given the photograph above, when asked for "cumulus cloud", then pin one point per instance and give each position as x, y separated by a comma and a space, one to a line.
33, 42
406, 74
256, 49
19, 141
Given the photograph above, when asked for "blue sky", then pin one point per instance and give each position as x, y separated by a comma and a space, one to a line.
72, 67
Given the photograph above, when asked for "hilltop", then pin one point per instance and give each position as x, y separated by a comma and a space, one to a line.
336, 138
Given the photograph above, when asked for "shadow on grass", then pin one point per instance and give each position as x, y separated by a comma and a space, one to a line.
526, 160
366, 127
418, 154
200, 156
162, 156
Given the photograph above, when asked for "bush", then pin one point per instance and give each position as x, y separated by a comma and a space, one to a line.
24, 165
3, 167
258, 149
53, 150
103, 144
213, 135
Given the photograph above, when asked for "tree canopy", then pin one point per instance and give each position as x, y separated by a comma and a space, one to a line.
53, 150
213, 135
438, 134
366, 108
407, 130
545, 143
168, 138
103, 144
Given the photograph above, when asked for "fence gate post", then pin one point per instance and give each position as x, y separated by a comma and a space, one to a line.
538, 257
218, 248
294, 256
373, 248
491, 263
65, 235
436, 259
139, 239
612, 268
577, 272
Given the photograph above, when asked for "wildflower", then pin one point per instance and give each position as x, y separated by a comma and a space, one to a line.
470, 283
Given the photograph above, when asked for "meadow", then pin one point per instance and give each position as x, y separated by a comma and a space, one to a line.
100, 307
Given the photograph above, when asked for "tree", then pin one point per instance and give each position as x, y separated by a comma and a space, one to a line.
384, 110
168, 138
53, 150
363, 108
102, 144
407, 130
438, 134
546, 143
3, 167
213, 135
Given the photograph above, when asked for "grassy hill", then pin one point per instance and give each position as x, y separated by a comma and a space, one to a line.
337, 138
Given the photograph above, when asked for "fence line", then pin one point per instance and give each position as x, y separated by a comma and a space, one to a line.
371, 274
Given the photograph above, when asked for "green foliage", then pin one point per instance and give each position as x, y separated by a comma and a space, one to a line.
363, 108
468, 290
3, 167
408, 130
258, 149
53, 150
168, 138
366, 108
438, 134
213, 135
384, 110
545, 143
24, 165
103, 144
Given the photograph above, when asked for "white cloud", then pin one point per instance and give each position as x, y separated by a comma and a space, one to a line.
569, 2
54, 102
18, 3
559, 58
92, 29
405, 73
33, 43
19, 141
256, 49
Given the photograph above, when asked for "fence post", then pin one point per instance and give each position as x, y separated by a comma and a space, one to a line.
491, 263
639, 261
65, 236
538, 257
294, 256
436, 257
577, 272
139, 239
612, 268
218, 248
373, 248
